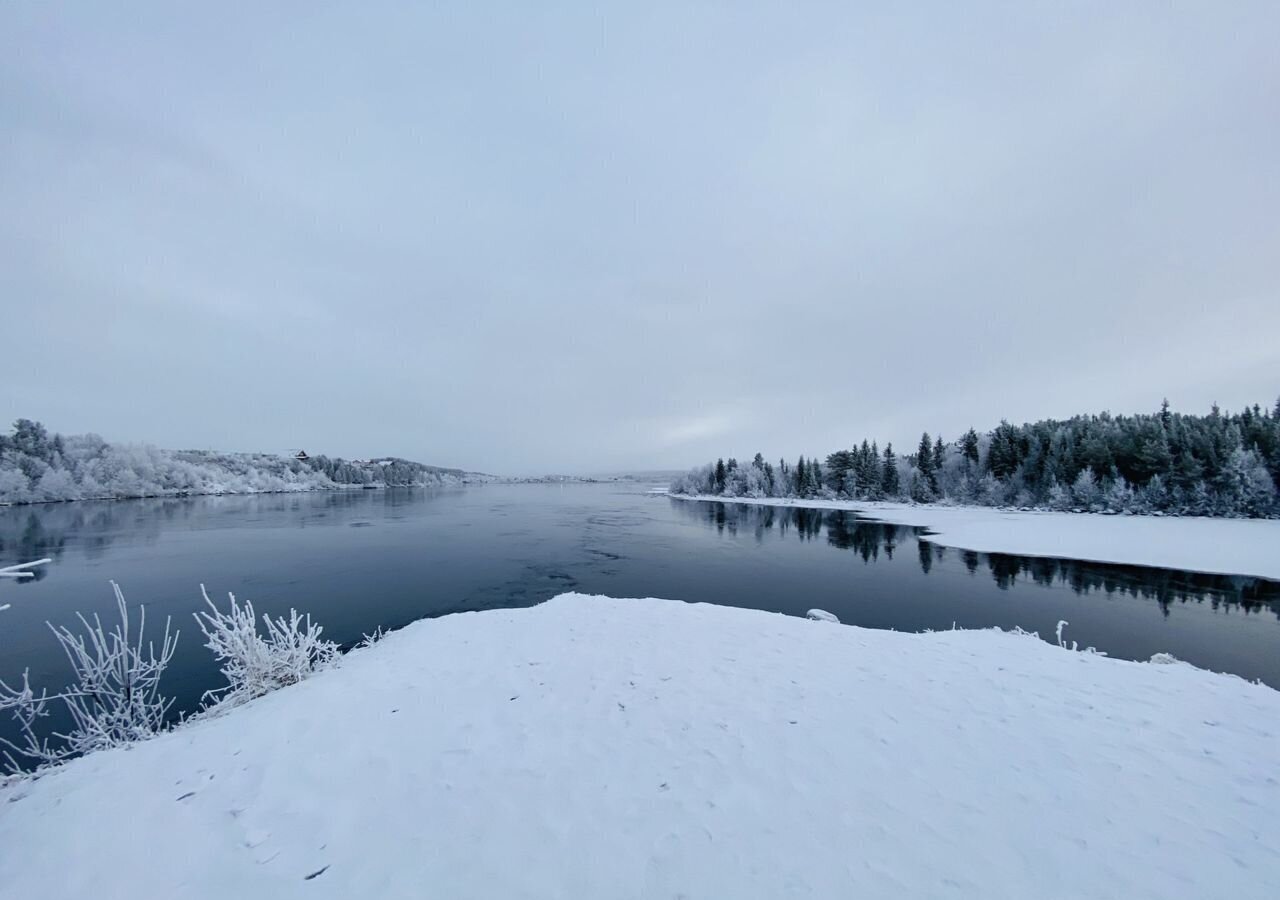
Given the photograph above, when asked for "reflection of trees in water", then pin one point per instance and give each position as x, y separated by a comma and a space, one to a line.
869, 539
34, 532
1165, 586
843, 529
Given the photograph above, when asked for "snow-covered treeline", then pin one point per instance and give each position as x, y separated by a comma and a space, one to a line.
36, 466
1211, 465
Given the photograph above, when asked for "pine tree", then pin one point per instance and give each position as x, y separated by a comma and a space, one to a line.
874, 475
1166, 418
1003, 455
839, 464
720, 476
921, 491
891, 485
924, 455
970, 446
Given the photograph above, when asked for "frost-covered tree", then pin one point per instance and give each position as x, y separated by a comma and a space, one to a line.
1085, 490
38, 467
1215, 464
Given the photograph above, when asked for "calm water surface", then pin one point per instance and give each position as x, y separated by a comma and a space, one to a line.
362, 559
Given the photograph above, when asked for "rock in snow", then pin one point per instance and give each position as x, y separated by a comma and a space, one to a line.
597, 748
821, 615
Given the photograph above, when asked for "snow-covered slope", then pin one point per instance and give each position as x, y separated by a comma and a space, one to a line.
1191, 544
596, 748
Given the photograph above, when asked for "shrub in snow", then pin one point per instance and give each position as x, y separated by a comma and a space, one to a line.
368, 640
114, 698
1118, 496
257, 664
1164, 659
1085, 491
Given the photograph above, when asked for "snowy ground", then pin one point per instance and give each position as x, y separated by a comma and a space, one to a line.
1219, 546
596, 748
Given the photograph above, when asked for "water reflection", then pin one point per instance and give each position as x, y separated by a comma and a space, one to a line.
869, 539
93, 527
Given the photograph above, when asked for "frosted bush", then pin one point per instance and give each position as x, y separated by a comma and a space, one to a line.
114, 698
256, 664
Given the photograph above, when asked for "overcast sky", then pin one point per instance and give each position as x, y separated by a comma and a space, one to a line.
554, 239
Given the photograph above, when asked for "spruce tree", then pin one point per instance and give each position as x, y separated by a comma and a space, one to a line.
890, 484
874, 476
720, 476
926, 464
970, 445
924, 455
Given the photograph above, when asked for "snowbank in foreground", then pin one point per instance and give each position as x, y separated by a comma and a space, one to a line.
1218, 546
643, 748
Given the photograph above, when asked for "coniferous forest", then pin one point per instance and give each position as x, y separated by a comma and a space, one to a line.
1163, 463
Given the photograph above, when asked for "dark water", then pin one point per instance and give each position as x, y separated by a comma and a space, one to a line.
363, 559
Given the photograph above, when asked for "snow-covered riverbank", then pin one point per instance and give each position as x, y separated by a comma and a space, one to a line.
603, 748
1219, 546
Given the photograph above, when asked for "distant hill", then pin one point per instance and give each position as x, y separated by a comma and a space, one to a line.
39, 467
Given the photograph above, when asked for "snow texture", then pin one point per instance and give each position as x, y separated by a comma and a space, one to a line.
1249, 547
603, 748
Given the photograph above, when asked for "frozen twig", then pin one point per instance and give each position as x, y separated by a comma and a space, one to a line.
21, 570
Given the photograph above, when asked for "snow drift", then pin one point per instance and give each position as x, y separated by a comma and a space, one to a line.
643, 748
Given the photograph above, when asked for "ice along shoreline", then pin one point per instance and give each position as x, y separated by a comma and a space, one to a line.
1243, 547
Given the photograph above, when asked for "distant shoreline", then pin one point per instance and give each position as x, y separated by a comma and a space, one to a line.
336, 489
1213, 546
187, 495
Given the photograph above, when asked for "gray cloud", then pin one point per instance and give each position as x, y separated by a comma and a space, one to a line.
556, 239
